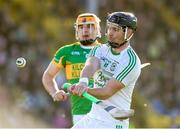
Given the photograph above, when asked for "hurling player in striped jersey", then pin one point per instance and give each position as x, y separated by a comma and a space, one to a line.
115, 67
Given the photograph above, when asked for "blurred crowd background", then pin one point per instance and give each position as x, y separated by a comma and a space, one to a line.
35, 29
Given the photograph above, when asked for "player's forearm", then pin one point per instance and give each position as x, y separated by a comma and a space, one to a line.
108, 90
100, 93
49, 84
88, 72
91, 66
111, 87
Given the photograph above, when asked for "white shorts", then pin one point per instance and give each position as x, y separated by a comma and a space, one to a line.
76, 118
92, 123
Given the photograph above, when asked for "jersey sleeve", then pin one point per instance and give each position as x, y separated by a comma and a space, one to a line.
129, 71
59, 57
96, 52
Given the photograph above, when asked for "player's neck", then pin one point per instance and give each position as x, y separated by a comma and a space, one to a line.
120, 49
93, 44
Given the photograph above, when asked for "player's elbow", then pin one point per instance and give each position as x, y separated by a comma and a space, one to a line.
106, 95
45, 78
108, 92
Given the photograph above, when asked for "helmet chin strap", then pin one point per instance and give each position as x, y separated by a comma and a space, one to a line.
116, 45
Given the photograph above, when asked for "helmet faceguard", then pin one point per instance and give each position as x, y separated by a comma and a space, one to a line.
87, 28
122, 20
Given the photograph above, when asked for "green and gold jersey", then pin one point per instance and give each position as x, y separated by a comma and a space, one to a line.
72, 58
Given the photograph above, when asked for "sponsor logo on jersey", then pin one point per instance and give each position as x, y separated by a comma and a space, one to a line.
101, 77
87, 55
113, 66
73, 71
119, 126
109, 64
75, 53
84, 52
106, 62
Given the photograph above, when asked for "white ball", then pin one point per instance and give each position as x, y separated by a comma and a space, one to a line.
20, 62
145, 105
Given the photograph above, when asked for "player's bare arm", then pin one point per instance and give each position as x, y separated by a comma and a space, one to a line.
50, 83
112, 86
108, 90
91, 66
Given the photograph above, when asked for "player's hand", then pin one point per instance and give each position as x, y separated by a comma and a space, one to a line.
71, 88
78, 89
59, 96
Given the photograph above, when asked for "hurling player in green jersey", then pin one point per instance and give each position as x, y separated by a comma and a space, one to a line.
71, 58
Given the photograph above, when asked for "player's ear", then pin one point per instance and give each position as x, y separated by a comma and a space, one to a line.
130, 32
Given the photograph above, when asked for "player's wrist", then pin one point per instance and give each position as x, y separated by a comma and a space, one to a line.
84, 80
55, 93
87, 89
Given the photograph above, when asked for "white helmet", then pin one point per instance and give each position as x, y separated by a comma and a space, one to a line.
88, 19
